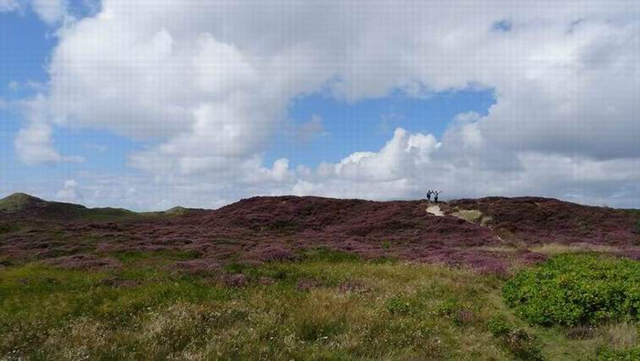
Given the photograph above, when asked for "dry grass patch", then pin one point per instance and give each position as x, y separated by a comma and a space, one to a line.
553, 249
472, 216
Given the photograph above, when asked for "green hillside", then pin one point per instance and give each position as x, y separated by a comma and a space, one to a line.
24, 204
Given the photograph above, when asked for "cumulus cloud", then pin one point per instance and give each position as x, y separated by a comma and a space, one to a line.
209, 81
70, 192
411, 163
34, 143
50, 11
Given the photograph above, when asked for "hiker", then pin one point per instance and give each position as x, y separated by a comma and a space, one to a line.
429, 196
436, 196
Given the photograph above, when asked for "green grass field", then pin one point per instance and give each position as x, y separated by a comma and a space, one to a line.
328, 306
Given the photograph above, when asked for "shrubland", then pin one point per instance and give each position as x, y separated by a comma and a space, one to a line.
324, 305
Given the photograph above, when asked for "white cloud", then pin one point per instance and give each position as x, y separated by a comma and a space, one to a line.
70, 192
50, 11
209, 81
401, 170
9, 5
396, 160
34, 143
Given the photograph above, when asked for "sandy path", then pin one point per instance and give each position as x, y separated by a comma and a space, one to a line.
435, 210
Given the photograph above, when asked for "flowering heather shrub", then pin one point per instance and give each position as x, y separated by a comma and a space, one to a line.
307, 284
533, 219
236, 280
576, 290
85, 262
270, 253
464, 317
580, 333
630, 253
531, 258
484, 262
266, 281
355, 286
197, 266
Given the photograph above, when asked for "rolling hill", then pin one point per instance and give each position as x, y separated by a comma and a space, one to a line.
491, 234
24, 205
319, 278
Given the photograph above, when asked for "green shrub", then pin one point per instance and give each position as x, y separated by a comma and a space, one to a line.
8, 227
517, 341
499, 326
399, 305
619, 355
576, 290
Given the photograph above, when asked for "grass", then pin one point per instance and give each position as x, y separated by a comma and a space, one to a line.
472, 216
554, 249
16, 201
19, 201
327, 306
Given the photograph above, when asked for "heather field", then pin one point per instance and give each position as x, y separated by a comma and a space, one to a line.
316, 278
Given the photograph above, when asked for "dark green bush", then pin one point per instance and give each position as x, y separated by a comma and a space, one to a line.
8, 227
576, 290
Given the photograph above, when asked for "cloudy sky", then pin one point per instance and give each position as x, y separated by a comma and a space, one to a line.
152, 104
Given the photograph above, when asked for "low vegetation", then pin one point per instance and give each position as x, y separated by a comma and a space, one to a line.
326, 305
24, 204
577, 290
473, 216
318, 278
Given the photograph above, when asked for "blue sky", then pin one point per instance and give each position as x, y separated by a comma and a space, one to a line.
25, 45
184, 102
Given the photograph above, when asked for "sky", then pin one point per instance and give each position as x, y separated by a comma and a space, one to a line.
151, 104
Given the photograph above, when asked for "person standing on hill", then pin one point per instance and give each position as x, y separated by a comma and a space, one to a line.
429, 196
435, 199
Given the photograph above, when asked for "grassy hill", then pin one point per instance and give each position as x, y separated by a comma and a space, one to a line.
21, 204
24, 204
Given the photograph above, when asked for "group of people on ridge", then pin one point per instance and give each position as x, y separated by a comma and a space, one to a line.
435, 195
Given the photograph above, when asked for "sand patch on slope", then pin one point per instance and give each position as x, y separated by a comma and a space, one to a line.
435, 210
